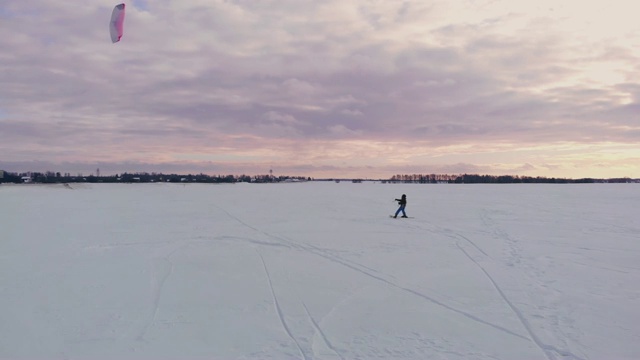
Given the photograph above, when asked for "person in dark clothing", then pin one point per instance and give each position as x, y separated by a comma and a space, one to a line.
402, 202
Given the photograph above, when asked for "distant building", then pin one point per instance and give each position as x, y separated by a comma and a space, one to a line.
1, 174
26, 179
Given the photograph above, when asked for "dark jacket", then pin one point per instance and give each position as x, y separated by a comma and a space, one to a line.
402, 201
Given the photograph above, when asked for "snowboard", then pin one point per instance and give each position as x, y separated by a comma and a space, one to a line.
400, 217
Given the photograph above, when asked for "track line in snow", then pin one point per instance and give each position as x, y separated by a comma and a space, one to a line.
286, 242
278, 309
411, 291
457, 236
312, 248
414, 292
319, 331
257, 242
472, 243
115, 245
548, 350
432, 300
451, 234
356, 267
162, 268
209, 239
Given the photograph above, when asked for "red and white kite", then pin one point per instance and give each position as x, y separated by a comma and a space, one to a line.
117, 22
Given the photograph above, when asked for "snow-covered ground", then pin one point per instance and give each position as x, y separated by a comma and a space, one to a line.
319, 271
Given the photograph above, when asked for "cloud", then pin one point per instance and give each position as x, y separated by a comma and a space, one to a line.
199, 75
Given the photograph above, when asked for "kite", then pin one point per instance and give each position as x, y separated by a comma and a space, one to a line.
117, 22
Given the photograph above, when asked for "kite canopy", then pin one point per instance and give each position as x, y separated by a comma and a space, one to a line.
117, 22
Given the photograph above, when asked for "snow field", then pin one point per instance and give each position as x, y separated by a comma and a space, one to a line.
318, 270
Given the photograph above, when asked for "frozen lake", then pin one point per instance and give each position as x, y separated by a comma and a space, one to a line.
318, 270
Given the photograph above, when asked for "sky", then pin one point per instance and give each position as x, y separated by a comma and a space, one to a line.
365, 89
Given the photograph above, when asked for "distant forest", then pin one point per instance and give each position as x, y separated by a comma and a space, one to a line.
500, 179
143, 177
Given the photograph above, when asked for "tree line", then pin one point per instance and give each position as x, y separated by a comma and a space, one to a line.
499, 179
50, 177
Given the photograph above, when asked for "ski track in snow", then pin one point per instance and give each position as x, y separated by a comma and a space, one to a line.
359, 268
547, 349
451, 234
278, 309
550, 351
207, 239
320, 332
161, 269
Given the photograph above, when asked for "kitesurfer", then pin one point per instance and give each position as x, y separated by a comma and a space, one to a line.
402, 202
